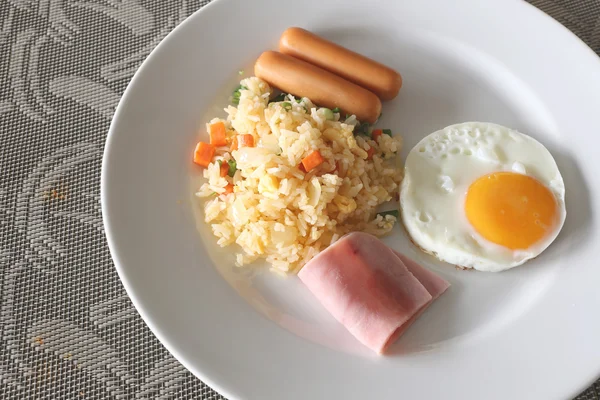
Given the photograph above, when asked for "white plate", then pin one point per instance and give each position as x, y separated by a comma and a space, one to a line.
530, 333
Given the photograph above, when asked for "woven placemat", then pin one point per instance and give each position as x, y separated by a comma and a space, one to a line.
67, 328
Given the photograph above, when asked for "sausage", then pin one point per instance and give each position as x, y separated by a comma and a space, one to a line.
321, 87
378, 78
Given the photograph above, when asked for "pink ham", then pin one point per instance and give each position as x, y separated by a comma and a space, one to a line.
368, 288
434, 284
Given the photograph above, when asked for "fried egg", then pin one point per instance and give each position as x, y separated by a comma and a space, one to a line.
483, 196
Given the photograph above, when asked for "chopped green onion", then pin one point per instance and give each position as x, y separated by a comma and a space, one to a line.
232, 168
287, 105
391, 212
387, 132
278, 98
362, 129
327, 113
241, 72
236, 94
299, 100
336, 110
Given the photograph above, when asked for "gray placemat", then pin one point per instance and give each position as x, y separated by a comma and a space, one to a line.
67, 328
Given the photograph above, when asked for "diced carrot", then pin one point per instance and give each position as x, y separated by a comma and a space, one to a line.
370, 153
229, 188
224, 168
246, 140
203, 154
234, 144
217, 134
301, 167
312, 160
376, 134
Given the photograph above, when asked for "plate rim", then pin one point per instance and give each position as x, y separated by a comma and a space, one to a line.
112, 245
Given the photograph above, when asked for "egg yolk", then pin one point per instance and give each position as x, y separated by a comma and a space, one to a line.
510, 209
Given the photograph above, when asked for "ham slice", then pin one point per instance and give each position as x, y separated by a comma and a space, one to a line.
434, 284
368, 288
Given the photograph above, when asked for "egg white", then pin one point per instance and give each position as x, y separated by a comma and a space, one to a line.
438, 173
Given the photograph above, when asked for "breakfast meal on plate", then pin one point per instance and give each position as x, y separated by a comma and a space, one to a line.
297, 179
288, 174
375, 292
479, 195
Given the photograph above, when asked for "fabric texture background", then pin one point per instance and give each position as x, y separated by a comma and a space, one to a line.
67, 328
